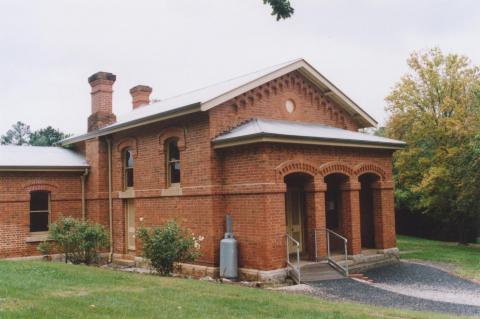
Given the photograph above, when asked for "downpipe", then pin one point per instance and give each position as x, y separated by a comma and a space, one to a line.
83, 182
110, 202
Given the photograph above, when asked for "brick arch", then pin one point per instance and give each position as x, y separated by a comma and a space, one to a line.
172, 132
292, 166
336, 167
39, 186
128, 142
371, 168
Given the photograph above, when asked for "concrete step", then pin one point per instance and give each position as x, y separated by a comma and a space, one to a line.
319, 271
124, 262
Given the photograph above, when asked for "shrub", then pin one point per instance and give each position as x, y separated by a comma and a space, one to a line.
79, 240
164, 246
44, 248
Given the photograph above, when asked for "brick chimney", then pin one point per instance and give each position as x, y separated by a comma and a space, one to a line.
140, 95
102, 115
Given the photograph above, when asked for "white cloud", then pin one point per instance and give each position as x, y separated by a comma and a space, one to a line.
49, 48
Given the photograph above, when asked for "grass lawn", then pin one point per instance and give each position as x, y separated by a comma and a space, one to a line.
55, 290
464, 260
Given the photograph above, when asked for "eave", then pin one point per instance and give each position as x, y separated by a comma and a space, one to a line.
189, 109
287, 139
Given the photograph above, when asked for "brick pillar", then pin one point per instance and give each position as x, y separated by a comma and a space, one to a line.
316, 222
384, 215
350, 216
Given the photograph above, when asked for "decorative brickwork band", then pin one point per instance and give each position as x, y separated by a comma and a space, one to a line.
336, 167
172, 132
130, 143
364, 168
290, 167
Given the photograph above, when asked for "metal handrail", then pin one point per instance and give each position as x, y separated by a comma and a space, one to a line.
295, 268
330, 260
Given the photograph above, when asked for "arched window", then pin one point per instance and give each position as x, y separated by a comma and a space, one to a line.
173, 162
39, 211
128, 168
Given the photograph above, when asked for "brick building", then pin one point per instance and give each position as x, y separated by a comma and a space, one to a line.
278, 149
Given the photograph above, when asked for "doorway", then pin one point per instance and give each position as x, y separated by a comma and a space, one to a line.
130, 212
295, 209
367, 210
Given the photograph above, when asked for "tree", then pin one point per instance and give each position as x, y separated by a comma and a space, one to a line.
19, 134
436, 110
47, 136
280, 8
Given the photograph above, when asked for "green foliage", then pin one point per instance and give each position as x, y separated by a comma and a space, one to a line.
280, 8
47, 137
436, 110
164, 246
21, 134
44, 248
79, 240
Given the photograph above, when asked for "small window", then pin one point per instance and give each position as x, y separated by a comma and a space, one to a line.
173, 162
39, 211
128, 168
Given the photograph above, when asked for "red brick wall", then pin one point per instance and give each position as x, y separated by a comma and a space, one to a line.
268, 101
65, 199
254, 193
194, 208
246, 181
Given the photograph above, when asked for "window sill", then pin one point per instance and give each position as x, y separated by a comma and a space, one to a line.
174, 190
128, 193
37, 237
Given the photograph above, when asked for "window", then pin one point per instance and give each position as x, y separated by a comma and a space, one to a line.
39, 211
128, 168
173, 163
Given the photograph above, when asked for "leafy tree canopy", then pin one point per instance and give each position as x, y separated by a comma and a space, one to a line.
47, 136
21, 134
435, 109
280, 8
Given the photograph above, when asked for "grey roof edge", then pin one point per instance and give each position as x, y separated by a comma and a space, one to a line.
20, 168
343, 95
138, 122
252, 138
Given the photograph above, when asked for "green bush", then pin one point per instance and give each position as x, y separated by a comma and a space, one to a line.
44, 248
164, 246
79, 240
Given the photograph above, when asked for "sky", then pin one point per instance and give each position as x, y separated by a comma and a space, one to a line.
49, 48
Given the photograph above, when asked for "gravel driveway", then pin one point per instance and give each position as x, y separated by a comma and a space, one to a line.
407, 285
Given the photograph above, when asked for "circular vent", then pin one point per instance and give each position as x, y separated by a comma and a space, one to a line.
290, 106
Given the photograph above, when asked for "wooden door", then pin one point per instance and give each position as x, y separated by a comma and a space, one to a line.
294, 205
131, 224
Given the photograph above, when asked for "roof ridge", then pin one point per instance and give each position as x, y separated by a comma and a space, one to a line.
229, 79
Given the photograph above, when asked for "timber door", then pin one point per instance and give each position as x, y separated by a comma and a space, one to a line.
294, 206
131, 224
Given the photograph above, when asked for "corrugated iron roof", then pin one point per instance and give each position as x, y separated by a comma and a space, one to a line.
274, 130
40, 157
210, 96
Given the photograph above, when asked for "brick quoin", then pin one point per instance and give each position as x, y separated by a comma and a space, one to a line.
246, 181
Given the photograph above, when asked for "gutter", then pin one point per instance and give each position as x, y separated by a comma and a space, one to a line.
184, 110
278, 138
43, 168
